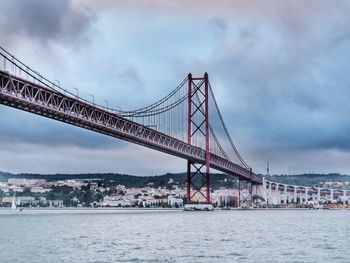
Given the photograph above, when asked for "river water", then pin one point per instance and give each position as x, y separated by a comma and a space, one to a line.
175, 236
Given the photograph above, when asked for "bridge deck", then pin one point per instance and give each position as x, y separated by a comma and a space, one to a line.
38, 99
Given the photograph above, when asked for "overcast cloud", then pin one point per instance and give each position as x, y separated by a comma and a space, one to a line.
279, 70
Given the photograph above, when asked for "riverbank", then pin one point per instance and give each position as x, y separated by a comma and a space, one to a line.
153, 209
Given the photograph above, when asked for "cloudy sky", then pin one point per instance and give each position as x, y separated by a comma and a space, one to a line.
279, 69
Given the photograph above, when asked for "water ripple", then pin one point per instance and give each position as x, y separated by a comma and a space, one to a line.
220, 236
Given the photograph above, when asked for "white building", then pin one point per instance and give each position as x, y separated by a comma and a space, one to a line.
115, 201
174, 201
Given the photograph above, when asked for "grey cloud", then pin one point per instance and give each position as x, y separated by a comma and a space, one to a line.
219, 25
55, 20
287, 80
279, 72
123, 87
24, 128
131, 78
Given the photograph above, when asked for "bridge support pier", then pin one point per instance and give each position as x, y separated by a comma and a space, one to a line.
260, 191
277, 195
245, 193
289, 198
269, 199
285, 198
314, 195
295, 195
332, 194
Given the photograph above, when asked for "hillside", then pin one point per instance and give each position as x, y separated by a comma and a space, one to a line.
217, 180
166, 180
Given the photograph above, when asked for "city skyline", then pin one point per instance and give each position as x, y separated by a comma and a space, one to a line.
279, 73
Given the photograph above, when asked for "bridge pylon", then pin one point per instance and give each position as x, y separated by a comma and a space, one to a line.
245, 193
198, 182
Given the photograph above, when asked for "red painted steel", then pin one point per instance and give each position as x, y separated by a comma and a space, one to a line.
193, 89
251, 188
239, 193
189, 101
189, 131
247, 186
207, 152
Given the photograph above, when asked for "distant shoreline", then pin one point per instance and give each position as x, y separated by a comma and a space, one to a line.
92, 209
150, 209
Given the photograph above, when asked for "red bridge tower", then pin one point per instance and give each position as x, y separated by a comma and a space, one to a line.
198, 182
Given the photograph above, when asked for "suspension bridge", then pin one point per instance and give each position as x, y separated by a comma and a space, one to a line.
186, 123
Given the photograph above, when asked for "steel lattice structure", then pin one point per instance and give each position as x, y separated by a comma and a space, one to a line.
40, 96
201, 126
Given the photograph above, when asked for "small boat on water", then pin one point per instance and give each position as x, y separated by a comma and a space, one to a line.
14, 206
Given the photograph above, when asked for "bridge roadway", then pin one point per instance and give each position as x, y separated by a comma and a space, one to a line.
39, 99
